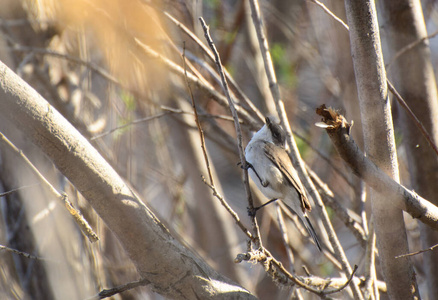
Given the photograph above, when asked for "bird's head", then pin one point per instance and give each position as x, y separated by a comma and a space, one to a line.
271, 132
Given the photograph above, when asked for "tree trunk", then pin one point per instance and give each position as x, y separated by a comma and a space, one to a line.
415, 80
379, 145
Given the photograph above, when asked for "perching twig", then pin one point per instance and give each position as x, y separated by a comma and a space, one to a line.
207, 161
229, 209
346, 283
256, 229
83, 224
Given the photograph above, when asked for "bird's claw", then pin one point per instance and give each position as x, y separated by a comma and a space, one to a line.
245, 167
252, 211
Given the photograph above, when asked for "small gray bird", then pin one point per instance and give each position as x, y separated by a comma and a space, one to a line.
270, 167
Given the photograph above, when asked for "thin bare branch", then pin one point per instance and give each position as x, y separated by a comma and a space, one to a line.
413, 116
409, 47
418, 252
18, 189
370, 291
234, 85
92, 66
79, 219
121, 288
258, 241
198, 124
229, 209
345, 284
341, 212
200, 84
330, 13
21, 253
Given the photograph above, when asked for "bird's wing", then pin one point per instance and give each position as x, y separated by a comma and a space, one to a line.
282, 161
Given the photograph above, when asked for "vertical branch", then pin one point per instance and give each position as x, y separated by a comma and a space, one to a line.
238, 130
379, 141
198, 124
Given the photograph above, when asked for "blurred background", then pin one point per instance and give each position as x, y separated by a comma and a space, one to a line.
113, 68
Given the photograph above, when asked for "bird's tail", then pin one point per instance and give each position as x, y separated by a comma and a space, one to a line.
312, 232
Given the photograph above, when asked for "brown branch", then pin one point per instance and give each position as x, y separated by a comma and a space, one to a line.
339, 132
345, 284
167, 111
370, 264
207, 161
285, 236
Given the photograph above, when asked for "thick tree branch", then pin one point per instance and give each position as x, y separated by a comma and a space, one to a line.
339, 132
172, 269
